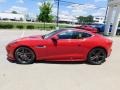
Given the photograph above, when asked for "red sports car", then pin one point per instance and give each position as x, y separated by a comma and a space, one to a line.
87, 28
61, 45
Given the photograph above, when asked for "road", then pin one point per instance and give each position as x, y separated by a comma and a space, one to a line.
57, 76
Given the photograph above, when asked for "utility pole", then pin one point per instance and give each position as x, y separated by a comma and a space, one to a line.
58, 6
106, 14
44, 18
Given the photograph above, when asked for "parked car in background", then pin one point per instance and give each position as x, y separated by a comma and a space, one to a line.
61, 45
87, 28
101, 28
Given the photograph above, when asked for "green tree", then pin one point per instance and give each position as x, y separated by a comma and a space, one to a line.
90, 19
45, 12
81, 19
85, 20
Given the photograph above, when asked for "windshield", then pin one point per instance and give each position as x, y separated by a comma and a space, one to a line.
51, 34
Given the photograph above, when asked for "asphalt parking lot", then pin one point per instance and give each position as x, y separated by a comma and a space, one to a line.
57, 76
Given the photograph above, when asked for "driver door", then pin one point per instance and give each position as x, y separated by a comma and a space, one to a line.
59, 49
67, 47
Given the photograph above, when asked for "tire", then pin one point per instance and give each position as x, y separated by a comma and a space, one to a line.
24, 55
96, 56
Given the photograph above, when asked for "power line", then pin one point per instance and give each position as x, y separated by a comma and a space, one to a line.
58, 6
68, 2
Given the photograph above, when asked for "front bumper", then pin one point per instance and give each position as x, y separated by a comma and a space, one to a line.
10, 52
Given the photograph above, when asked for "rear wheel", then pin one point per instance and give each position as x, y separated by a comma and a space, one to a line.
96, 56
24, 55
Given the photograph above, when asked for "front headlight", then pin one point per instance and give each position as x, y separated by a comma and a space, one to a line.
12, 43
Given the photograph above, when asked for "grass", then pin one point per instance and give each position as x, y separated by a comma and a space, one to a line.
24, 25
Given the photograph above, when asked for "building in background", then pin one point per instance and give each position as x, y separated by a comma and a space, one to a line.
67, 19
12, 17
99, 19
31, 17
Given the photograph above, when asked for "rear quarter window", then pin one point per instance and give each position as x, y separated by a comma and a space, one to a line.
86, 35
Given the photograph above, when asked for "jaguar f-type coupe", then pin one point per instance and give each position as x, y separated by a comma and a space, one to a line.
61, 45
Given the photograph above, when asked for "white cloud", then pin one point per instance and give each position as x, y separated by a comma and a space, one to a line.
76, 10
81, 10
64, 15
54, 10
1, 1
22, 10
87, 9
20, 1
85, 6
100, 12
100, 0
52, 2
39, 3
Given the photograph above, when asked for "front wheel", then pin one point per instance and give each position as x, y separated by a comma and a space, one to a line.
96, 56
24, 55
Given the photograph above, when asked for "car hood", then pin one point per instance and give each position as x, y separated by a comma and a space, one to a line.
36, 37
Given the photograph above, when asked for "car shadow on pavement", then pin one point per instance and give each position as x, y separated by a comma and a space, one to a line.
61, 62
55, 62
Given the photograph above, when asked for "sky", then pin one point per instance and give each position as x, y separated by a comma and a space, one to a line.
89, 7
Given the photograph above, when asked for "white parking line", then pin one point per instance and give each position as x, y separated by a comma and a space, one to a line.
23, 33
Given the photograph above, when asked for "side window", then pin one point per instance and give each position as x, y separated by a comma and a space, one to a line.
77, 35
66, 35
80, 35
73, 35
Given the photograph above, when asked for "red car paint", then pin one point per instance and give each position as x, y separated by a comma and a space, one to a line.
62, 49
87, 28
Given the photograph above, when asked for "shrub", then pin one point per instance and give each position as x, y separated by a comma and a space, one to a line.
52, 27
20, 26
1, 26
38, 27
6, 26
30, 27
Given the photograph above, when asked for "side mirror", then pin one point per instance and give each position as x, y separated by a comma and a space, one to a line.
55, 38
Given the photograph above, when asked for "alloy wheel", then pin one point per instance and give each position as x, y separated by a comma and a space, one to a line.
24, 55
